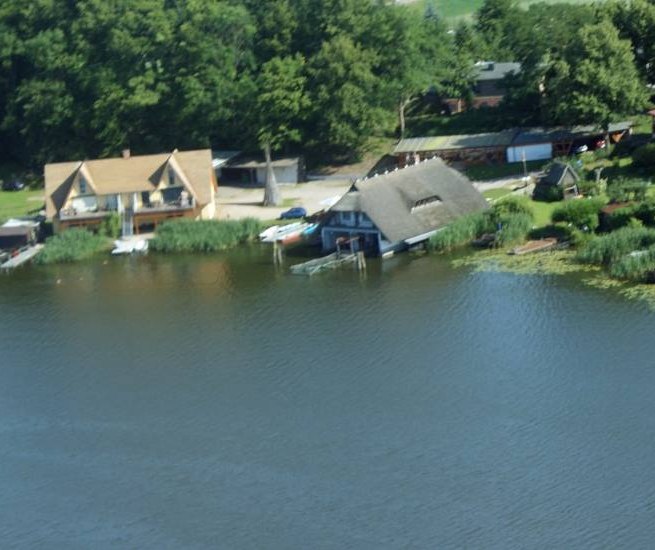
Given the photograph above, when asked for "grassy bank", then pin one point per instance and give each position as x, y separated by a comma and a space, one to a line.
204, 236
72, 245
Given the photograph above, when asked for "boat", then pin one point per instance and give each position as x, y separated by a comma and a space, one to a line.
287, 234
130, 246
534, 246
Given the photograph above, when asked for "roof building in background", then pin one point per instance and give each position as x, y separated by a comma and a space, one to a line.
488, 88
509, 145
143, 190
396, 210
235, 168
474, 148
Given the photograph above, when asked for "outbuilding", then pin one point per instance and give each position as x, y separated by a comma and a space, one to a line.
468, 148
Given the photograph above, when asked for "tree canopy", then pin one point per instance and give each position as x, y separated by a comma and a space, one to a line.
89, 78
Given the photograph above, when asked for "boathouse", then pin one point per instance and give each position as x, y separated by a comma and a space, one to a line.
399, 209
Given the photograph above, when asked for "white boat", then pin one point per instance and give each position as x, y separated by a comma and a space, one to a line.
283, 232
129, 246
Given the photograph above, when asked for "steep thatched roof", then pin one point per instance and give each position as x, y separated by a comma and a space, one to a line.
414, 200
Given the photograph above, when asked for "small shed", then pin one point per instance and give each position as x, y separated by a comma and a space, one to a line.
559, 175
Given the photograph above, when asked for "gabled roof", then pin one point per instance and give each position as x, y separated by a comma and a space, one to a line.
130, 175
390, 200
556, 173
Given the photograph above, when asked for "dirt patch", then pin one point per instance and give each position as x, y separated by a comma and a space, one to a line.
242, 202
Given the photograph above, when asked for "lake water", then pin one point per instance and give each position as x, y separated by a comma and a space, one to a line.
216, 403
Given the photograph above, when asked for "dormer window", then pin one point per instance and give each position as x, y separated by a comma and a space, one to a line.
427, 201
83, 185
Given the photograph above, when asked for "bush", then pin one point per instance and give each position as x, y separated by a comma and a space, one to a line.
619, 218
513, 229
203, 236
511, 205
644, 157
547, 193
71, 245
111, 226
627, 190
608, 249
559, 232
645, 212
590, 187
582, 213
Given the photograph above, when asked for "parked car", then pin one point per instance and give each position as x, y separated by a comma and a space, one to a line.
295, 212
13, 185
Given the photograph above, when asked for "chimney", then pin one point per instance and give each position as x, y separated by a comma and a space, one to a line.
126, 153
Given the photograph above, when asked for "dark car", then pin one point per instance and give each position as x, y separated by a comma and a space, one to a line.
13, 185
295, 212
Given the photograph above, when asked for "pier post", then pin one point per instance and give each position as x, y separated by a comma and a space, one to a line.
277, 253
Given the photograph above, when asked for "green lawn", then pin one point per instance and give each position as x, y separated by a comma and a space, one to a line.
495, 194
20, 203
543, 211
464, 9
496, 171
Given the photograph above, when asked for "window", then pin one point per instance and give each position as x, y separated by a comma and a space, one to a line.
171, 178
83, 185
427, 201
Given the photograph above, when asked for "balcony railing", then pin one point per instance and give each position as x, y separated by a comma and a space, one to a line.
152, 208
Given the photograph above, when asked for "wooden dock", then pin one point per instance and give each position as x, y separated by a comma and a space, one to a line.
22, 258
534, 246
331, 261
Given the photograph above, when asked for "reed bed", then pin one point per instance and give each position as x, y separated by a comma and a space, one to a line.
203, 236
72, 245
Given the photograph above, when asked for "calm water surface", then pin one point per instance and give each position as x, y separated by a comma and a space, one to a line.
214, 403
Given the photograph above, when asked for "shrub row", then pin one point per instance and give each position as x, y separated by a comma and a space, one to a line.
581, 213
203, 236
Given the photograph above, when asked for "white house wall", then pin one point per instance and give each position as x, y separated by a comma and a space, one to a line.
541, 151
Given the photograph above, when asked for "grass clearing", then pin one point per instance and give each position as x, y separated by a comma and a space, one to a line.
484, 172
495, 194
14, 204
465, 9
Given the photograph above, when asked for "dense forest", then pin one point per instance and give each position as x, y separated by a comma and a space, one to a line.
87, 78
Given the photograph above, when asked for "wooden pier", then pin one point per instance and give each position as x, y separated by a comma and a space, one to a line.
22, 258
331, 261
